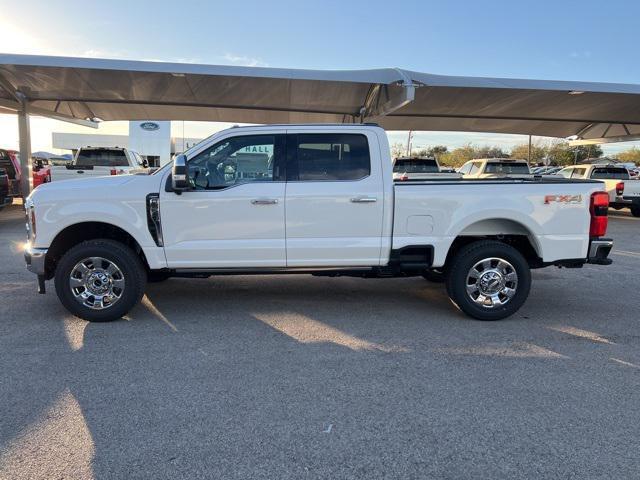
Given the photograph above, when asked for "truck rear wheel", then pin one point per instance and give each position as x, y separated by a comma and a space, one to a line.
488, 280
100, 280
635, 210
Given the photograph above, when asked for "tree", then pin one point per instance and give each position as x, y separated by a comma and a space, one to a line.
437, 150
631, 155
561, 153
458, 156
491, 152
588, 151
521, 152
398, 150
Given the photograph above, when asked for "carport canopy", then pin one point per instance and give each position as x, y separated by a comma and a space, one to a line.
86, 91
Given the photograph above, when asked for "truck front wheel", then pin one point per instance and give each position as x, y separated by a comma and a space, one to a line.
100, 280
635, 210
488, 280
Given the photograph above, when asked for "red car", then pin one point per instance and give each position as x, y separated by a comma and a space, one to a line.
10, 163
41, 171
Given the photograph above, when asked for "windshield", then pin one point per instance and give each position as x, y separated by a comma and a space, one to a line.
415, 166
102, 157
507, 168
613, 173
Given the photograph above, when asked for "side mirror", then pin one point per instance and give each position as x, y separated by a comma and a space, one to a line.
145, 163
179, 174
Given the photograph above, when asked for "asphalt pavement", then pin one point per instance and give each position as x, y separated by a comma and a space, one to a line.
294, 376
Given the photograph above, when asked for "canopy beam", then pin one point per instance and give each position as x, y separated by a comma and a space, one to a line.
24, 133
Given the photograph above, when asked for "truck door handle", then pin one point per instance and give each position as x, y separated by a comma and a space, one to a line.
264, 201
364, 200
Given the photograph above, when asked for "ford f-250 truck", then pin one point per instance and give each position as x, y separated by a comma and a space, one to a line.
316, 199
99, 162
623, 191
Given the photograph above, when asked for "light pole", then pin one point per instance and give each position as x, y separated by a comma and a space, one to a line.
409, 137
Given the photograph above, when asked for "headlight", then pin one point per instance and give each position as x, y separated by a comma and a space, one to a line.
32, 216
30, 213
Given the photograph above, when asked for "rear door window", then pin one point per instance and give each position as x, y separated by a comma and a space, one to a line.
578, 172
102, 157
474, 168
328, 157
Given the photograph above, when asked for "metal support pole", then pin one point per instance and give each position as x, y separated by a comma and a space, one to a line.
529, 154
24, 129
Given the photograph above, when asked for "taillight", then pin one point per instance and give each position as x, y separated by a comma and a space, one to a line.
599, 208
404, 178
619, 188
114, 171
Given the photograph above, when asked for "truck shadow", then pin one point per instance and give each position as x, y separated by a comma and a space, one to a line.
229, 376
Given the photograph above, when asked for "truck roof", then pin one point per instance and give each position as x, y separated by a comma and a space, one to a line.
269, 125
497, 159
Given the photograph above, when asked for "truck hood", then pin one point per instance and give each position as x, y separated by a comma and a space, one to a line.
89, 187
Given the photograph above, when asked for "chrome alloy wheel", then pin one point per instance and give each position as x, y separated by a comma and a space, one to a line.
96, 283
492, 282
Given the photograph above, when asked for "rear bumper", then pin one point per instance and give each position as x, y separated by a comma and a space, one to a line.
635, 200
35, 259
599, 249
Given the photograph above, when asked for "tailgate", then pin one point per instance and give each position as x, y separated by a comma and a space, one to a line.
69, 172
631, 190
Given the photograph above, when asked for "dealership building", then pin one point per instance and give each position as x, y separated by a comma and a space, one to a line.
151, 139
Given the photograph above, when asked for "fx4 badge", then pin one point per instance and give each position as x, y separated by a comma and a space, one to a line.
562, 199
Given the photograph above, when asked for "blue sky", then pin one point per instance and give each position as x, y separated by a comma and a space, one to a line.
567, 40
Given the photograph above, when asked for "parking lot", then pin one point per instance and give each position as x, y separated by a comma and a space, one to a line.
305, 377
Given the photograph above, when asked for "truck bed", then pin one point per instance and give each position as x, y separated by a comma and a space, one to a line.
552, 213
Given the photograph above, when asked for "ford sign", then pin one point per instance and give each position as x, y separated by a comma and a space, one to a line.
151, 126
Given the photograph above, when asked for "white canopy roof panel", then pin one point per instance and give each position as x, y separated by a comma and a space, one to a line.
83, 88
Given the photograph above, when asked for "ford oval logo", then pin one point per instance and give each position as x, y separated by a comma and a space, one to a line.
149, 126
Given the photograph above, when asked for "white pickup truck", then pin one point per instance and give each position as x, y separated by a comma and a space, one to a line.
419, 168
623, 191
99, 162
316, 199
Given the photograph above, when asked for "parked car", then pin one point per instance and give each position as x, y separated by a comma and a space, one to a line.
494, 168
41, 171
623, 192
98, 162
419, 168
10, 162
5, 198
313, 199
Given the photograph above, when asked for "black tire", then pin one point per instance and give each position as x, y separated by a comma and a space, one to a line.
635, 210
435, 276
129, 264
157, 276
466, 259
